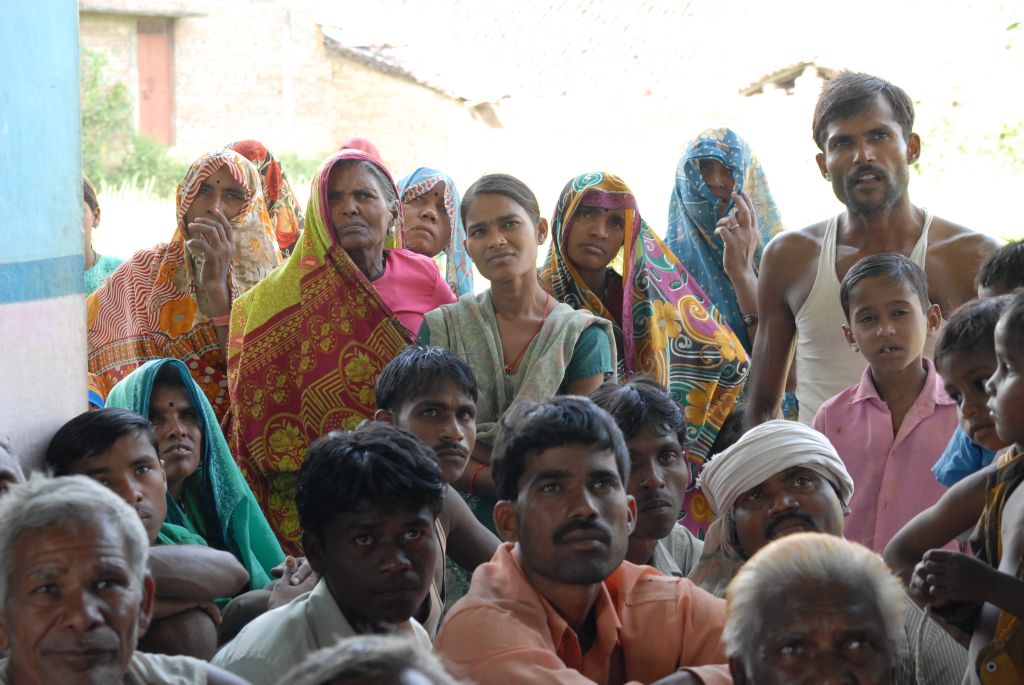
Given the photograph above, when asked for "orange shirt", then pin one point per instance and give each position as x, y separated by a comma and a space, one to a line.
648, 626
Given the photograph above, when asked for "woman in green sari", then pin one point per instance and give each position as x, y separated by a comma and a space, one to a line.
207, 497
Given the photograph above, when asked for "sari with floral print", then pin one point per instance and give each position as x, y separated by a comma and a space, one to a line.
304, 351
670, 330
153, 307
285, 213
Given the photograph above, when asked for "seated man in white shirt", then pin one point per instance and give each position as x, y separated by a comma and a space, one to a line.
76, 592
368, 501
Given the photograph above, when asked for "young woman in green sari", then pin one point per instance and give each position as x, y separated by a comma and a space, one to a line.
520, 341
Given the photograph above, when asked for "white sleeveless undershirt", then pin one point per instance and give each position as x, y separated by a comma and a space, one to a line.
825, 362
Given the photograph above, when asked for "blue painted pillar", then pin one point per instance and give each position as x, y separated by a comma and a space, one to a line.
42, 306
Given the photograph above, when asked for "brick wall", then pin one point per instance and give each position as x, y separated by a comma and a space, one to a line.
275, 80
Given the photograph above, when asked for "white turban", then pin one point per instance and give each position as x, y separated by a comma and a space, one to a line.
759, 454
765, 450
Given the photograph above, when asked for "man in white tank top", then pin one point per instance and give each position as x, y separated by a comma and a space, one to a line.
863, 126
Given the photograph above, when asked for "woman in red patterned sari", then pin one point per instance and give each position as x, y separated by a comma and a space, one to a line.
307, 344
174, 300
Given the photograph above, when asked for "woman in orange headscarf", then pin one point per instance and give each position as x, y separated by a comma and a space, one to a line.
174, 300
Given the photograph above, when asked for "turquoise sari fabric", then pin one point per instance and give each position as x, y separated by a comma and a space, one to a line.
693, 214
217, 504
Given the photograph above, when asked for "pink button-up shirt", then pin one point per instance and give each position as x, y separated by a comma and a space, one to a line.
892, 475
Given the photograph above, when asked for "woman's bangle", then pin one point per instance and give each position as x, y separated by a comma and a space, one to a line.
750, 319
221, 320
472, 479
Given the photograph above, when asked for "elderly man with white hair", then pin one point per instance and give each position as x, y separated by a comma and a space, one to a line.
783, 477
814, 608
75, 591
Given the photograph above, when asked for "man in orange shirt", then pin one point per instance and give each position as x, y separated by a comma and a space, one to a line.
558, 604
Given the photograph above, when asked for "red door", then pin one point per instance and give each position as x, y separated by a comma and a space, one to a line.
156, 79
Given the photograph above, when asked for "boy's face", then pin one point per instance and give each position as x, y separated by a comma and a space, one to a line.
133, 471
1006, 387
964, 373
887, 324
444, 417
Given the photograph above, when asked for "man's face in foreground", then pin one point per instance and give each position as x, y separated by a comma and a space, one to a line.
791, 501
74, 611
572, 517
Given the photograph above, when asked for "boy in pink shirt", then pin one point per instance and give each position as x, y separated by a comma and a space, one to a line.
892, 425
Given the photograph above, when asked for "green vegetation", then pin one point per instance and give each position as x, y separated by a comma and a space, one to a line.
113, 153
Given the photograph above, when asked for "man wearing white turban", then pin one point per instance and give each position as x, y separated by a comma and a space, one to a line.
779, 478
783, 477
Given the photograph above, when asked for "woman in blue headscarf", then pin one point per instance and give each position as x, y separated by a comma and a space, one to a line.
720, 218
433, 225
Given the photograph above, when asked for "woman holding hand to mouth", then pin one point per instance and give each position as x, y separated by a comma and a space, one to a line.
605, 259
720, 217
433, 225
307, 343
519, 341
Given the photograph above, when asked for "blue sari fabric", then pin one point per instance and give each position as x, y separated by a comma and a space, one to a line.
693, 214
458, 267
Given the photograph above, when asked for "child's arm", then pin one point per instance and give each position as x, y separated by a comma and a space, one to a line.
956, 511
953, 577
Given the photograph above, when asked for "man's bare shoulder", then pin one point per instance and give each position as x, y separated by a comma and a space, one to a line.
957, 242
797, 246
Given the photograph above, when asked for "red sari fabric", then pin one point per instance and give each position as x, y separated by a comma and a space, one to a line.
152, 307
305, 348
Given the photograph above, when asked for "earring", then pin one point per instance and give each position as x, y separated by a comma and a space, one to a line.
828, 176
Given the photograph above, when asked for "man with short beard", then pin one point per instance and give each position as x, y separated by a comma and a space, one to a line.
783, 477
558, 604
863, 126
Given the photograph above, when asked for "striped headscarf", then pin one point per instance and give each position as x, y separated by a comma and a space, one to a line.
153, 306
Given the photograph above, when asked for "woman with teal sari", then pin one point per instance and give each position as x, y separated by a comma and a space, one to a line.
207, 497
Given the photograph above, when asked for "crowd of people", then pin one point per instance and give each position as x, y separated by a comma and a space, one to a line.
318, 451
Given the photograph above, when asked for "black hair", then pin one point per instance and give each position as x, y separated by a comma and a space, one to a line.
169, 375
730, 432
638, 403
1013, 320
851, 93
416, 371
1004, 268
890, 265
376, 465
89, 194
528, 428
387, 187
503, 184
91, 434
971, 328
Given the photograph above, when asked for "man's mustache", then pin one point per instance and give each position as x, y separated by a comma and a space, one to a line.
452, 447
601, 531
770, 529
